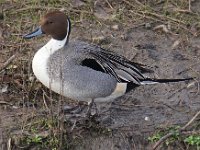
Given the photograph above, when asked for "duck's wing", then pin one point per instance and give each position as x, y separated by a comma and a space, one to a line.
118, 66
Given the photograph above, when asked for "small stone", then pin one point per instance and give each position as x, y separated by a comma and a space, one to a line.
147, 25
124, 37
98, 39
31, 78
147, 119
115, 27
78, 3
4, 88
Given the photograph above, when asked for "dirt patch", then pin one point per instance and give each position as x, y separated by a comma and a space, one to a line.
164, 36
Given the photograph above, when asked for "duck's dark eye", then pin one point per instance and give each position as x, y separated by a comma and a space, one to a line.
49, 22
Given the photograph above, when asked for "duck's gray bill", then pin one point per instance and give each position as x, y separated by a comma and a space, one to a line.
35, 33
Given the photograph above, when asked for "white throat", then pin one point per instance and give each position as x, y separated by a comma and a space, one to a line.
40, 60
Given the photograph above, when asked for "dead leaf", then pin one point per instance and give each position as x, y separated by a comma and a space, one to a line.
4, 88
191, 84
98, 39
77, 3
162, 27
115, 27
101, 13
176, 43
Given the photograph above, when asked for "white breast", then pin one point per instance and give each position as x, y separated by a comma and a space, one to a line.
39, 63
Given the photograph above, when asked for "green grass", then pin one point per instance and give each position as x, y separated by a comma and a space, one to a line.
190, 141
158, 135
193, 140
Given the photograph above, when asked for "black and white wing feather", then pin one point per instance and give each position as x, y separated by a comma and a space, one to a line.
118, 66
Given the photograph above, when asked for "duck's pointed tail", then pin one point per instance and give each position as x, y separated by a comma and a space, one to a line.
154, 81
131, 85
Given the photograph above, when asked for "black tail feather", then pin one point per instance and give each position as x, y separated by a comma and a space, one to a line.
164, 80
131, 85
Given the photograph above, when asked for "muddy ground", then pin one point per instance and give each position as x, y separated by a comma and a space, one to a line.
163, 35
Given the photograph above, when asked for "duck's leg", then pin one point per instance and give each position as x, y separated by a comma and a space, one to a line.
84, 110
90, 104
72, 109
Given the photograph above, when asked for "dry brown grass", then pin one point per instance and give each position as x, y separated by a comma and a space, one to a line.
39, 126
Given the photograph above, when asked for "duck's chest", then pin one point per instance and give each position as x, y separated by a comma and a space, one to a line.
39, 66
54, 68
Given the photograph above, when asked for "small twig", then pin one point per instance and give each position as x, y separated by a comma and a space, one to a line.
74, 125
163, 17
7, 62
162, 140
18, 46
197, 88
170, 107
159, 18
109, 4
45, 103
189, 5
191, 121
5, 103
184, 11
15, 45
191, 132
130, 4
171, 133
33, 8
178, 91
46, 8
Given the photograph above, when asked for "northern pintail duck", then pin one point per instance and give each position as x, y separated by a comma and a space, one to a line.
82, 71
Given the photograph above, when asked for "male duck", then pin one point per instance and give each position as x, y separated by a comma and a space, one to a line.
83, 71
